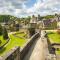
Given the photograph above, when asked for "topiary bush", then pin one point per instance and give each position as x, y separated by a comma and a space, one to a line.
31, 31
5, 34
0, 29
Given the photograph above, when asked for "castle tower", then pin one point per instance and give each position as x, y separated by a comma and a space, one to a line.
33, 22
32, 26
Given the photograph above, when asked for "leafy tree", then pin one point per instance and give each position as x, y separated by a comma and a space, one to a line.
17, 27
49, 16
5, 34
56, 14
31, 31
4, 18
0, 29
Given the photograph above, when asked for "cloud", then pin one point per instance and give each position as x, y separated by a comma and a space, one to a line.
18, 7
12, 7
45, 7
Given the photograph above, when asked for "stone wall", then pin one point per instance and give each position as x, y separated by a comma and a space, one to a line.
13, 54
26, 48
51, 55
57, 57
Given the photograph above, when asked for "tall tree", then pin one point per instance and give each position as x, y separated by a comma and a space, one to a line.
5, 34
0, 29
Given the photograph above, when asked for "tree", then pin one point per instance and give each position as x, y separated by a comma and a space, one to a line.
4, 18
5, 34
17, 27
56, 14
0, 29
31, 31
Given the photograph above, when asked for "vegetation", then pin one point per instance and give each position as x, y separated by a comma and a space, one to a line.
0, 29
31, 31
17, 27
49, 16
2, 41
54, 37
14, 41
6, 18
22, 35
5, 34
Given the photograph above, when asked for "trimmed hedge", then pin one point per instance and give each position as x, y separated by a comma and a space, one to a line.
4, 43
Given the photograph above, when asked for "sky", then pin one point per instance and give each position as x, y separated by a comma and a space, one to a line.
23, 8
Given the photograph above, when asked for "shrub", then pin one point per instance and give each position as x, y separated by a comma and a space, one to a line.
5, 34
31, 31
0, 29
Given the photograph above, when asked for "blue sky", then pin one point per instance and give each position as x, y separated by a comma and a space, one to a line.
24, 8
30, 3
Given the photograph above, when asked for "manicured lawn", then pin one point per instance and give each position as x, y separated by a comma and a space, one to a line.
2, 40
54, 37
58, 52
14, 41
21, 35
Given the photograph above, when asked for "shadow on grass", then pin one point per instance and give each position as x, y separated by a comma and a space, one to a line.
50, 33
2, 50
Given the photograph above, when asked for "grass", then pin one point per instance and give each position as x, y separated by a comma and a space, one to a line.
58, 52
14, 41
54, 37
2, 40
21, 35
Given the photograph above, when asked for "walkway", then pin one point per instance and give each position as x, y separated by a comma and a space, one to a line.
37, 51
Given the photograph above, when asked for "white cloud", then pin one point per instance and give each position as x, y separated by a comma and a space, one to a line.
18, 7
45, 7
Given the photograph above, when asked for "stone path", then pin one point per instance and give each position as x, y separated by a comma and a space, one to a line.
37, 51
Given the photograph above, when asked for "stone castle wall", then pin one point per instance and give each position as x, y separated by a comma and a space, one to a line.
17, 53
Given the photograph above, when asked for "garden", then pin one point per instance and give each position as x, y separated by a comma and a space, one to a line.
2, 41
13, 42
54, 38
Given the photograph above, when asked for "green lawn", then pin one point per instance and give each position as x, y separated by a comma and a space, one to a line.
54, 37
21, 35
2, 40
58, 52
14, 41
